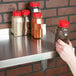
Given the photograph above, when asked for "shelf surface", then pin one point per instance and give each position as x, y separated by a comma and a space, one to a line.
21, 50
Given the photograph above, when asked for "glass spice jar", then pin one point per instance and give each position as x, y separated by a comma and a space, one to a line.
26, 29
36, 25
17, 23
33, 7
63, 31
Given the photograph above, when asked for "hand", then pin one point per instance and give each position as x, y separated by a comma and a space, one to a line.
66, 51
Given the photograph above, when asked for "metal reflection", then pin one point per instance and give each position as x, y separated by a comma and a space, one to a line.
17, 46
36, 45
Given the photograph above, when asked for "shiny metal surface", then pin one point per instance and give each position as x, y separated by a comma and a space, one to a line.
15, 49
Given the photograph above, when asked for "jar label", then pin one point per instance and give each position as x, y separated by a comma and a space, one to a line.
38, 21
35, 10
27, 19
19, 20
17, 27
65, 34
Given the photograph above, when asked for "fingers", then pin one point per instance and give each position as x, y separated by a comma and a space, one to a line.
59, 47
61, 42
58, 50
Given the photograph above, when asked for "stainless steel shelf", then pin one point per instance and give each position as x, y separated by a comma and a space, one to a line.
21, 50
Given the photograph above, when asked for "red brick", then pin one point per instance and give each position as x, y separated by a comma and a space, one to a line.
52, 29
37, 66
41, 4
67, 74
55, 21
18, 71
7, 17
0, 18
51, 63
36, 74
12, 0
2, 73
7, 7
60, 62
74, 43
73, 19
72, 2
23, 5
49, 13
72, 35
67, 11
2, 26
56, 71
72, 27
56, 3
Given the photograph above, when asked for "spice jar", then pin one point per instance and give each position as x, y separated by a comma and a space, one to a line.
26, 28
17, 23
63, 31
33, 7
36, 25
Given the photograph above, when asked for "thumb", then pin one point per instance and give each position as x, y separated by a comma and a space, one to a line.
69, 42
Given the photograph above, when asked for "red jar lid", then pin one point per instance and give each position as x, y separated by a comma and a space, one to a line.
16, 13
38, 14
64, 23
25, 12
34, 4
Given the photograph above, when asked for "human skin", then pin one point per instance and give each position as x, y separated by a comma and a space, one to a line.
67, 53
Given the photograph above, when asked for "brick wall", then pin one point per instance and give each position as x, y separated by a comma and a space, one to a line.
53, 11
55, 67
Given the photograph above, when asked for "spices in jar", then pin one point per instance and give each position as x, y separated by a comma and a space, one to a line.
36, 25
26, 27
63, 31
34, 8
17, 23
